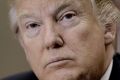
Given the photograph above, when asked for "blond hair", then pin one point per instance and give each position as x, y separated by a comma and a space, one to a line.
106, 11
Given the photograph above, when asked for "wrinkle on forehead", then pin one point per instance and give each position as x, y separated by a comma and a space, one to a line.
41, 6
50, 5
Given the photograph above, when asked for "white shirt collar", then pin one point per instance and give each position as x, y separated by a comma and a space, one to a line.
106, 76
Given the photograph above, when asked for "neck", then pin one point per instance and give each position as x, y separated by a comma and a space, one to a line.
108, 56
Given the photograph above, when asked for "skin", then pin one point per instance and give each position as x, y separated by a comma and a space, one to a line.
63, 39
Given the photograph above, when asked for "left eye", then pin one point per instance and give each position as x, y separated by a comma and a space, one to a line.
69, 19
68, 16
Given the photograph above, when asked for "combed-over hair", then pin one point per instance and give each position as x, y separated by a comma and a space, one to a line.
106, 11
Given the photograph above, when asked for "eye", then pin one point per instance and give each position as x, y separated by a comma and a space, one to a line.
67, 16
32, 25
32, 29
69, 19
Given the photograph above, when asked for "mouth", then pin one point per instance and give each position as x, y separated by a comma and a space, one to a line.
58, 62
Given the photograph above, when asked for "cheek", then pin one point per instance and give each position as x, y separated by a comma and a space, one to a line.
88, 46
34, 53
33, 50
77, 36
76, 41
86, 43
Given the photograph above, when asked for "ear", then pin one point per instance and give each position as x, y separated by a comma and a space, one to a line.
110, 33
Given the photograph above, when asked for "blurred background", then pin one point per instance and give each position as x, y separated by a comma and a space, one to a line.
12, 58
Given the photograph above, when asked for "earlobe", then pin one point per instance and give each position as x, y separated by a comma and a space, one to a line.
110, 33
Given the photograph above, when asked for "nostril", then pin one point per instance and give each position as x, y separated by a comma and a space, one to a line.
55, 46
58, 43
54, 43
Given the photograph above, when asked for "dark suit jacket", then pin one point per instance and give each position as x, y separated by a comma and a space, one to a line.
23, 76
115, 74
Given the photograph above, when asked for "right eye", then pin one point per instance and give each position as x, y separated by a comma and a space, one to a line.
32, 29
32, 25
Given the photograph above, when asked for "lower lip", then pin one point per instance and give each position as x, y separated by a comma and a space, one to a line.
59, 64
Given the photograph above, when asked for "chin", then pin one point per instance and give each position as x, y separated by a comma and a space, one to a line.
70, 74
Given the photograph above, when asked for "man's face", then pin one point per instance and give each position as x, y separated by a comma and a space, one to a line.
62, 39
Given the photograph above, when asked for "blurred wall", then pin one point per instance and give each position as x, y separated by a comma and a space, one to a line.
12, 58
118, 36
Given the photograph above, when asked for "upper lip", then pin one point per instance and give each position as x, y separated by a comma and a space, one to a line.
57, 60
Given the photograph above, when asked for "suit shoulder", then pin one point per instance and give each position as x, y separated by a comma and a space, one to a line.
117, 58
115, 74
22, 76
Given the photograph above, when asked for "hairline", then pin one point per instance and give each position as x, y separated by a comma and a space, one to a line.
13, 15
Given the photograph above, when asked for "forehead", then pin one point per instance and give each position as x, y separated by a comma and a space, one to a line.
43, 2
50, 4
49, 7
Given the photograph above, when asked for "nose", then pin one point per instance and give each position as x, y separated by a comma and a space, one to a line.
53, 40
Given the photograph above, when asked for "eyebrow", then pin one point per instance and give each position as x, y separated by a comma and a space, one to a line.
65, 5
25, 15
62, 7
